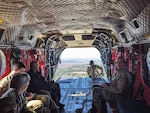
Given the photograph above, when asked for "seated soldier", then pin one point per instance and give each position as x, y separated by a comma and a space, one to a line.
39, 85
118, 87
17, 100
5, 85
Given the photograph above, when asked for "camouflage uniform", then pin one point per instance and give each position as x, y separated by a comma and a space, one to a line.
36, 105
118, 86
94, 71
16, 104
5, 83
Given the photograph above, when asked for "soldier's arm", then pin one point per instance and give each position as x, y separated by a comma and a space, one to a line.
99, 67
88, 70
6, 80
4, 85
119, 85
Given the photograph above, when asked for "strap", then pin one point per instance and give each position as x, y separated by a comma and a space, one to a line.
137, 82
138, 78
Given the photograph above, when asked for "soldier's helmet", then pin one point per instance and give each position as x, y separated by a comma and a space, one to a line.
91, 62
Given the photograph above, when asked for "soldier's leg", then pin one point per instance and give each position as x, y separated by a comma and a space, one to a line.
35, 105
56, 94
100, 96
99, 100
44, 98
55, 88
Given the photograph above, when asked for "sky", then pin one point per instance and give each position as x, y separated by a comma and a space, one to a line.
80, 53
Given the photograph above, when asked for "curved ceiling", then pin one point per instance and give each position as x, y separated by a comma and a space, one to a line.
123, 20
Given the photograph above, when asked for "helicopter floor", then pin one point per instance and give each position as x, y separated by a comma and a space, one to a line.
76, 94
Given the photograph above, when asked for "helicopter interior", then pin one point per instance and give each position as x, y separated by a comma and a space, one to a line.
114, 27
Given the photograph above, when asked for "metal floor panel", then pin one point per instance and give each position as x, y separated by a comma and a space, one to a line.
76, 94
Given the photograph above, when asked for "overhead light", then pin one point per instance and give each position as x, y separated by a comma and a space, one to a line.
1, 21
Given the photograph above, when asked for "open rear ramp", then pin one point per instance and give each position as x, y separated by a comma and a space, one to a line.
76, 94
